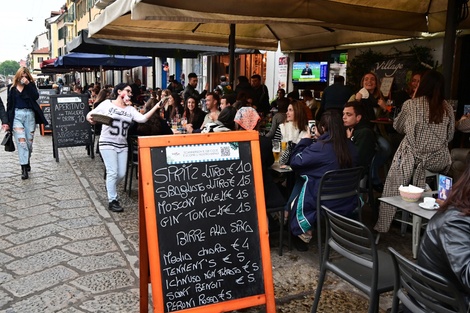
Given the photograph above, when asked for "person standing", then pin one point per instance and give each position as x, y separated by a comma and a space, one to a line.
136, 91
335, 96
427, 122
3, 116
260, 95
113, 140
23, 113
307, 70
190, 89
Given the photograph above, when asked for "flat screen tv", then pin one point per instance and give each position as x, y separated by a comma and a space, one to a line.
304, 72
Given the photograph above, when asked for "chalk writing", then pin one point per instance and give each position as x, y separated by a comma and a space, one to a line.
207, 213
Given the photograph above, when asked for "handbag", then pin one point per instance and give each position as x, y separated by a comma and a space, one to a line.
8, 142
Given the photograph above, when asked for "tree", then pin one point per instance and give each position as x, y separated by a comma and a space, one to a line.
9, 67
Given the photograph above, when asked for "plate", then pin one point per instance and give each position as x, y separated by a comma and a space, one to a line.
435, 207
103, 119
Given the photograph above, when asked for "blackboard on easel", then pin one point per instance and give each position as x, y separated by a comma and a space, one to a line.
44, 104
69, 125
203, 229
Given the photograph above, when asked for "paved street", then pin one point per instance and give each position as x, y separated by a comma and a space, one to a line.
61, 250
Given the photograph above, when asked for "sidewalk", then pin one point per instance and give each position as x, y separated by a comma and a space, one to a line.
61, 250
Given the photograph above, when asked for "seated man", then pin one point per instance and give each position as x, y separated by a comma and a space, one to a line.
367, 141
361, 135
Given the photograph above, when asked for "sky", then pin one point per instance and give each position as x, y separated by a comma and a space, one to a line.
17, 33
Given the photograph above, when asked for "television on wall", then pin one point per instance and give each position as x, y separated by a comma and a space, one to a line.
304, 72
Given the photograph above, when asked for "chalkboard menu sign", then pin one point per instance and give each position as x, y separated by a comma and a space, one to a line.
44, 103
210, 221
69, 125
45, 95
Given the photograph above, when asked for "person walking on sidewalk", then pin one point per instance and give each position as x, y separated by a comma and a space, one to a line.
23, 113
113, 138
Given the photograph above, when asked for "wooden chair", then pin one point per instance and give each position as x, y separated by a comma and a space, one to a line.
422, 291
360, 262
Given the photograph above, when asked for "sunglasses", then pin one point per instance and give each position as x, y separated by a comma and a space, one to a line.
128, 90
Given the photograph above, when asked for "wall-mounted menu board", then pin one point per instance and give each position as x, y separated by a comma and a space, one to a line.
205, 223
69, 125
44, 103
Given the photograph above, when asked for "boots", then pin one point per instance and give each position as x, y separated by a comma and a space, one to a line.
24, 172
28, 167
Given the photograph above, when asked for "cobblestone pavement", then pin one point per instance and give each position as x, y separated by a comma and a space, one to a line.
61, 250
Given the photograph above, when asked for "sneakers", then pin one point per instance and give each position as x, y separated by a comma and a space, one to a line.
114, 206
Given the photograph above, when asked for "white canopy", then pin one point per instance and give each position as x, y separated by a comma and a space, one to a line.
298, 25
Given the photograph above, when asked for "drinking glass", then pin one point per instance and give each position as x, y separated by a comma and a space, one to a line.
276, 150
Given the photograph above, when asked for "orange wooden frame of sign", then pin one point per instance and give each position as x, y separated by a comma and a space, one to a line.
148, 232
42, 129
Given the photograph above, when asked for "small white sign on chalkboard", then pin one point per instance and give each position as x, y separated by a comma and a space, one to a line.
386, 86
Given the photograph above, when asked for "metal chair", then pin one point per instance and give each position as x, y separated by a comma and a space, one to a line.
337, 185
422, 291
275, 203
359, 263
132, 162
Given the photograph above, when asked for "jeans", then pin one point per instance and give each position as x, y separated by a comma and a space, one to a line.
116, 166
24, 125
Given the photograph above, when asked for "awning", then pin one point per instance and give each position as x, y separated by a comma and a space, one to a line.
83, 43
298, 25
106, 61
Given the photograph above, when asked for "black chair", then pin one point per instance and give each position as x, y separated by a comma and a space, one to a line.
132, 163
335, 185
423, 291
359, 262
275, 203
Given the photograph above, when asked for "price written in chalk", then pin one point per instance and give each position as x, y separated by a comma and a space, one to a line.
207, 211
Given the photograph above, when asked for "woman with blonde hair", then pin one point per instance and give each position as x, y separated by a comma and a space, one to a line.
24, 113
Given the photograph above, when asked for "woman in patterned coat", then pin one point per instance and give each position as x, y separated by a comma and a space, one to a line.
427, 122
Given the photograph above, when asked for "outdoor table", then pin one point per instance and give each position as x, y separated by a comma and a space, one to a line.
418, 215
381, 125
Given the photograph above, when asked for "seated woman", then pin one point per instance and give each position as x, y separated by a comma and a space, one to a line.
445, 246
156, 125
311, 160
293, 129
193, 113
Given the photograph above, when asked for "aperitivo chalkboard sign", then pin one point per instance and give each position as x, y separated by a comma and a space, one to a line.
203, 226
69, 125
44, 103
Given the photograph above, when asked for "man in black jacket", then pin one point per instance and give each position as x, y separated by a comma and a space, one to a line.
260, 95
190, 89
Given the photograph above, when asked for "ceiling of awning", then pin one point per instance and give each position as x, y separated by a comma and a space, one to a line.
82, 43
298, 25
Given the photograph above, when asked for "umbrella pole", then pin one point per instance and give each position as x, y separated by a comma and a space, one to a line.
449, 46
231, 47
